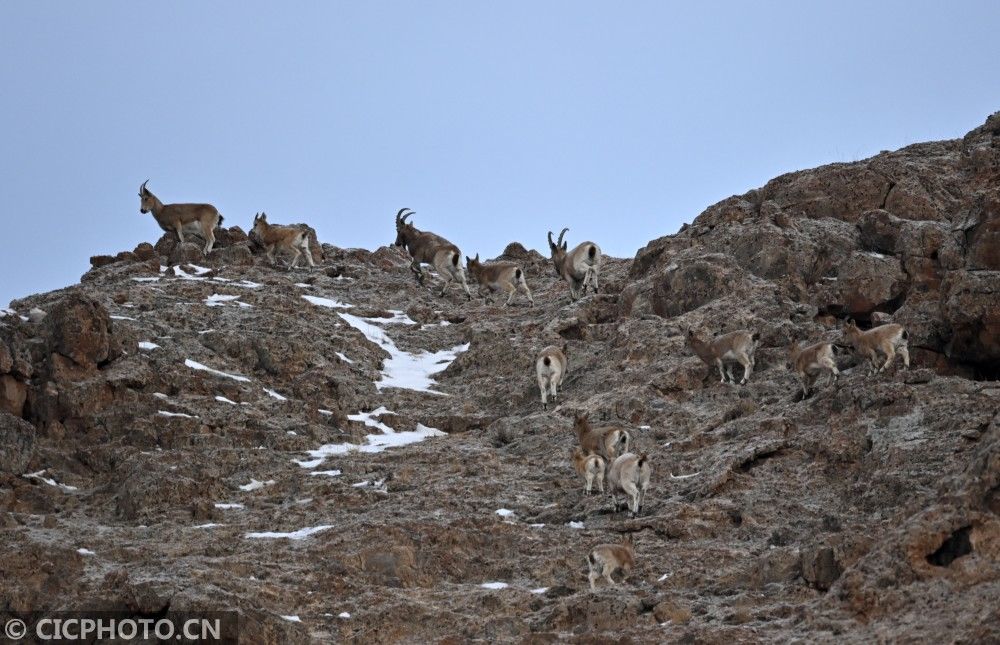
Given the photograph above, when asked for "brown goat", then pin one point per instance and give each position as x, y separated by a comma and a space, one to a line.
550, 369
499, 276
176, 217
605, 559
272, 237
629, 473
427, 248
608, 441
578, 267
722, 351
811, 362
885, 340
590, 467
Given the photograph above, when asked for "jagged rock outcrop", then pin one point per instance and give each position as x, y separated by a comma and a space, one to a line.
341, 455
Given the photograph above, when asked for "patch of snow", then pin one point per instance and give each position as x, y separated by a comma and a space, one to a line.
398, 318
292, 432
376, 443
327, 473
48, 480
161, 395
575, 525
219, 299
83, 551
204, 368
112, 318
163, 269
344, 358
199, 270
149, 279
225, 400
403, 369
256, 485
210, 525
673, 476
292, 619
175, 414
303, 285
663, 577
326, 413
540, 590
218, 279
205, 331
536, 526
246, 284
368, 419
145, 344
301, 534
344, 615
494, 585
327, 302
644, 427
874, 254
504, 512
275, 395
228, 505
184, 275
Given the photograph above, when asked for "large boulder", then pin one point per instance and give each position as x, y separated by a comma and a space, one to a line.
969, 307
18, 440
79, 329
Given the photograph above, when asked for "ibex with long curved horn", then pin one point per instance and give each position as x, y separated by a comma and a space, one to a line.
427, 248
578, 267
177, 217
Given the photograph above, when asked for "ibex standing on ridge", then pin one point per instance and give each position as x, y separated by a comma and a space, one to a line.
426, 247
176, 217
272, 237
578, 267
499, 276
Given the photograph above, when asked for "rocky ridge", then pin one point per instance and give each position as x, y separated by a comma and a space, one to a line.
177, 431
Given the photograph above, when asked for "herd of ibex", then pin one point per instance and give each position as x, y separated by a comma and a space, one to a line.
603, 454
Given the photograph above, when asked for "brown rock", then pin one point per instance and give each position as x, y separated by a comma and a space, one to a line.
820, 567
18, 440
79, 329
13, 394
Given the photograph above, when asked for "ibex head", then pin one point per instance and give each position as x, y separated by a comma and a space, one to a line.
558, 249
145, 198
259, 222
403, 228
472, 265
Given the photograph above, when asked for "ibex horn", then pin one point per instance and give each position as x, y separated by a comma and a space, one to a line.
143, 187
550, 239
561, 236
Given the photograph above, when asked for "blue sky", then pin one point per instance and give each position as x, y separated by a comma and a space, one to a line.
495, 121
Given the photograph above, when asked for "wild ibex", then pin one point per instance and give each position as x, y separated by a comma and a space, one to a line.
426, 247
590, 467
499, 276
578, 267
176, 217
722, 351
550, 368
885, 340
290, 238
811, 362
629, 473
605, 559
608, 441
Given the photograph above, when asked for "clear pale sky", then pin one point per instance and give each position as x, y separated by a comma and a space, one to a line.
495, 121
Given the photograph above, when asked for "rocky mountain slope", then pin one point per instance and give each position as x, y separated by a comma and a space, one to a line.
184, 432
